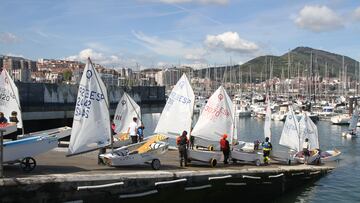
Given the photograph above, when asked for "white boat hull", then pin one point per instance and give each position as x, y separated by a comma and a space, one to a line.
59, 133
28, 147
340, 120
349, 135
330, 155
129, 155
251, 157
204, 155
282, 156
299, 157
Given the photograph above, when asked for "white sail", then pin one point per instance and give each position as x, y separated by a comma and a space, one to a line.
126, 110
91, 125
9, 100
177, 113
290, 134
217, 117
354, 120
267, 125
308, 130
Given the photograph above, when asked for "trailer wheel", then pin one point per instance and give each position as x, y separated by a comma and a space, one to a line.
257, 162
28, 164
213, 162
155, 164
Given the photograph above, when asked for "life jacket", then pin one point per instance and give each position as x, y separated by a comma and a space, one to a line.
267, 146
224, 144
182, 140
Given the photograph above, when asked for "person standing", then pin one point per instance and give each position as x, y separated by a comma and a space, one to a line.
306, 150
132, 130
267, 147
140, 132
225, 148
182, 143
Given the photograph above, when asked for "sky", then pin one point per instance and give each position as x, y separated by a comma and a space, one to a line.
160, 33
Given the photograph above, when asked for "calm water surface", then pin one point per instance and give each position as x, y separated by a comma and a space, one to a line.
342, 185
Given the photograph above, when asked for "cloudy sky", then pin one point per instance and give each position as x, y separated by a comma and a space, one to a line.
149, 33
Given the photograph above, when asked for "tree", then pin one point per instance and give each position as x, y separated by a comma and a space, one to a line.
67, 75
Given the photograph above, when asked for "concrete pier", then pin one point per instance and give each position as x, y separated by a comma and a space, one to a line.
60, 179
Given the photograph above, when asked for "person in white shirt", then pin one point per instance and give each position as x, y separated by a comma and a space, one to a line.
132, 130
306, 150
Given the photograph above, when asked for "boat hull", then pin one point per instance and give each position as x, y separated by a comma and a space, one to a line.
28, 147
251, 157
204, 155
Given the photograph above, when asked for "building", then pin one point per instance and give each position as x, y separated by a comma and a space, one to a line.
19, 68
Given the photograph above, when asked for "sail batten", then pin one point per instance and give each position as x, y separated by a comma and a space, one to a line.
91, 125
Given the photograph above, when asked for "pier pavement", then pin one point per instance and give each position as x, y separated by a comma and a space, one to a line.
57, 177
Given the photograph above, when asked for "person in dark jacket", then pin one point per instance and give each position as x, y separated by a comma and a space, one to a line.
182, 143
267, 147
13, 118
2, 118
225, 148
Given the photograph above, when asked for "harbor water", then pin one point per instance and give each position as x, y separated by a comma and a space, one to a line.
340, 185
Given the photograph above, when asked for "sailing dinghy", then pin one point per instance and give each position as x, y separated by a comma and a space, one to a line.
91, 125
351, 132
308, 130
126, 110
23, 150
179, 108
215, 120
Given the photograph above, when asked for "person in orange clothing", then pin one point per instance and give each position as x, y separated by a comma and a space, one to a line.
225, 148
182, 143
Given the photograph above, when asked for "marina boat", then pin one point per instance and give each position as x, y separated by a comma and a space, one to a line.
281, 114
12, 104
242, 153
215, 120
146, 152
341, 119
289, 138
125, 111
24, 150
327, 112
91, 123
179, 107
330, 155
351, 132
307, 129
242, 109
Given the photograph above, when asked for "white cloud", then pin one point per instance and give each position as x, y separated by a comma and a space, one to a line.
8, 38
171, 48
221, 2
318, 19
357, 14
230, 41
102, 58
